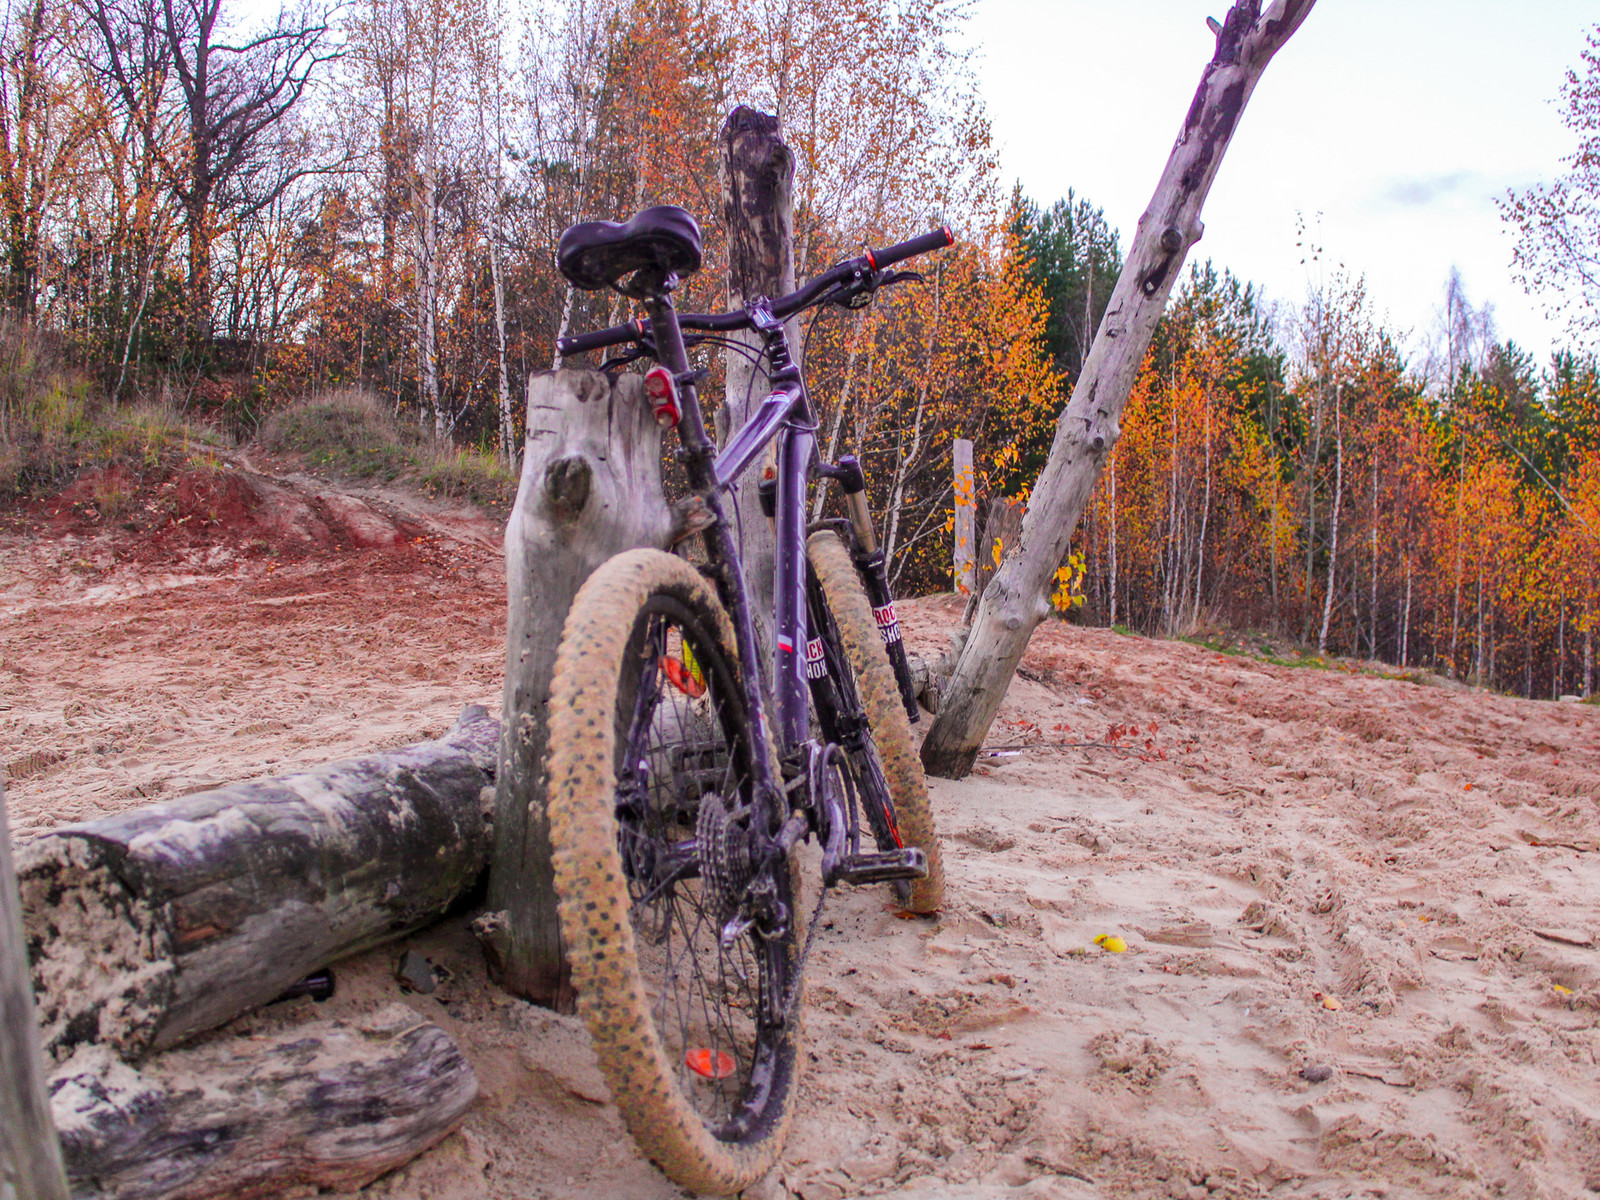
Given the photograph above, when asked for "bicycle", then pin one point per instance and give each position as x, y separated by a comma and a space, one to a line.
678, 794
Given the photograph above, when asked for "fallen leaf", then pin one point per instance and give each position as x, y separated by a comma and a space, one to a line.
1332, 1003
1111, 944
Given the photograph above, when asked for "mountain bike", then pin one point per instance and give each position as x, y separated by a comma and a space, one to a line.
679, 793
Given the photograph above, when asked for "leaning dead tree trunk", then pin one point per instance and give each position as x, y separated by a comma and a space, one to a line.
591, 488
1018, 597
327, 1105
30, 1158
758, 205
153, 925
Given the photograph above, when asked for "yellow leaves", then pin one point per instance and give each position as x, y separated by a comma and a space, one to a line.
1068, 594
1111, 943
1328, 1001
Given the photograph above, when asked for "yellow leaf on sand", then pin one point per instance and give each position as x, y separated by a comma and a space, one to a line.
1333, 1003
1561, 991
1111, 944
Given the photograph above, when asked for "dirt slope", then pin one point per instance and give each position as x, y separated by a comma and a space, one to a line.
1361, 914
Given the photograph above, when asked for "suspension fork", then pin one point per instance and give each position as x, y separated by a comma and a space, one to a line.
871, 566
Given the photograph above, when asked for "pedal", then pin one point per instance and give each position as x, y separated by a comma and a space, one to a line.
909, 863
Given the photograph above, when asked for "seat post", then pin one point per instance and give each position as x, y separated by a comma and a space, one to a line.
670, 353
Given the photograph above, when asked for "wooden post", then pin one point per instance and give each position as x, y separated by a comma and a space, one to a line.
161, 922
965, 541
30, 1157
1002, 528
758, 206
1019, 596
590, 488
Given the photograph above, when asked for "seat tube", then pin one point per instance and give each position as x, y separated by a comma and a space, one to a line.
795, 448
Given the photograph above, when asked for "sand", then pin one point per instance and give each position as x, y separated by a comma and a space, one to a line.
1362, 914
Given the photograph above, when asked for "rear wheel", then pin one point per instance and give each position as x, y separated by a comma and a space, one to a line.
651, 776
889, 778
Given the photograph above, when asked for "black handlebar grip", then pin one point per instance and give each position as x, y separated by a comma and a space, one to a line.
936, 239
617, 335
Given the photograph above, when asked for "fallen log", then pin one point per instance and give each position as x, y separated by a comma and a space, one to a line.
325, 1104
153, 925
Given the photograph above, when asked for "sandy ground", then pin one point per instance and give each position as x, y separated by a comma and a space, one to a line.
1362, 915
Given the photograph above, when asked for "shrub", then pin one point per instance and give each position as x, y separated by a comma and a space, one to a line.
346, 431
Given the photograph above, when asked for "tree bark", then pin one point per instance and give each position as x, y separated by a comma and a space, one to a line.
1019, 596
758, 206
30, 1157
591, 488
153, 925
322, 1105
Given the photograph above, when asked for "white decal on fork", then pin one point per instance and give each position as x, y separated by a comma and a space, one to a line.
816, 668
888, 625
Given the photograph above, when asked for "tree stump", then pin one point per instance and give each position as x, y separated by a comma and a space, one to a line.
153, 925
324, 1104
590, 488
30, 1159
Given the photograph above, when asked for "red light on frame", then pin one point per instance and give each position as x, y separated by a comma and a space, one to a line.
663, 392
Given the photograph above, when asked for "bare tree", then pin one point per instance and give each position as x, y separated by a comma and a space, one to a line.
1018, 597
234, 95
40, 134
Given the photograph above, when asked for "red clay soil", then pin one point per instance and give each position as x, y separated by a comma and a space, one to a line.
1361, 914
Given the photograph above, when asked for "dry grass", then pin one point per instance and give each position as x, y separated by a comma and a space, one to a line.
54, 422
351, 433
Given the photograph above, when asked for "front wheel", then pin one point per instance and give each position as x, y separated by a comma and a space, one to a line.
651, 779
894, 791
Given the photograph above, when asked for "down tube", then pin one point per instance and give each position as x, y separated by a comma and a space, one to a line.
795, 448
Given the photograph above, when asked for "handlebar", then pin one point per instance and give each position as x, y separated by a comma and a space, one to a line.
782, 308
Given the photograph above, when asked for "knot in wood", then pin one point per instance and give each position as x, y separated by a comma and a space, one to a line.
1171, 239
567, 483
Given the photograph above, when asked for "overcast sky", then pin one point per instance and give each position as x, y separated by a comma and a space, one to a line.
1390, 124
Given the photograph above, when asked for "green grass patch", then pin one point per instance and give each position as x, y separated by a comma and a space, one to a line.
351, 433
347, 432
55, 423
470, 474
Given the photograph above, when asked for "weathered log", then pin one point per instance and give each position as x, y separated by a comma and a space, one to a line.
325, 1104
1018, 597
758, 207
30, 1159
152, 925
590, 488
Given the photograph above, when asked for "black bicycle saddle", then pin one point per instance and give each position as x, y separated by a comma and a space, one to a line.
599, 254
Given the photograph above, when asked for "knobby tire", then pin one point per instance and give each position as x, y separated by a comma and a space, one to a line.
890, 730
634, 761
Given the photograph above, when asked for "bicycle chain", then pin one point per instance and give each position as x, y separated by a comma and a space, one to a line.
792, 1004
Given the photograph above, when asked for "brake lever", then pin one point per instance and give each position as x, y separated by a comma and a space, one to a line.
859, 293
890, 278
622, 360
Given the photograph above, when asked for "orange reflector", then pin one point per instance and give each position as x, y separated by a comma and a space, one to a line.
685, 677
710, 1064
